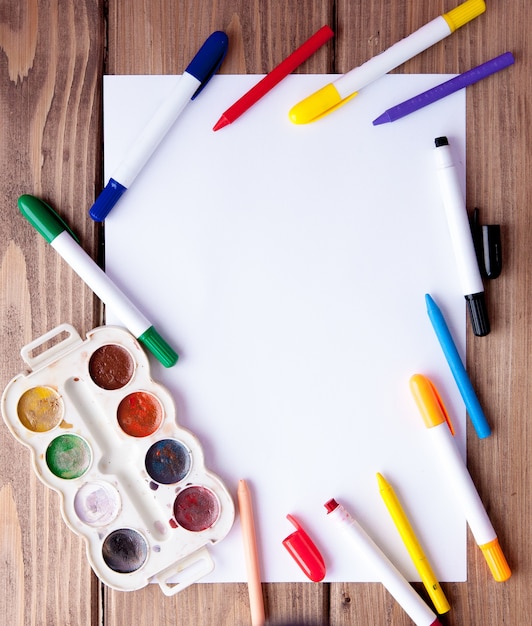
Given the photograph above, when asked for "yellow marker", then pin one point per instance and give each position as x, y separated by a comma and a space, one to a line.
333, 95
413, 546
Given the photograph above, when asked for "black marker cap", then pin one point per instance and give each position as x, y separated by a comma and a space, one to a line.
478, 313
491, 245
487, 240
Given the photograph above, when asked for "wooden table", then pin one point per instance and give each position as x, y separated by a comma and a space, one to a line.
52, 59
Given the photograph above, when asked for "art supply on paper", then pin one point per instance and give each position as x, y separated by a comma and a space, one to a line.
445, 89
46, 221
458, 370
383, 569
104, 435
304, 552
461, 237
461, 484
343, 89
274, 77
197, 74
251, 554
413, 545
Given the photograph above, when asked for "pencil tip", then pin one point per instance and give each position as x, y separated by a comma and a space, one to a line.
223, 121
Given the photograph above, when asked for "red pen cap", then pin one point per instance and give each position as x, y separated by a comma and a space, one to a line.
304, 552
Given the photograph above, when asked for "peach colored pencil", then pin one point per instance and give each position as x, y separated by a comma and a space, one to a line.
256, 601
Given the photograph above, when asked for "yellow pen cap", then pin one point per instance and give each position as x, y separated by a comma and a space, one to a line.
496, 560
429, 402
464, 13
317, 105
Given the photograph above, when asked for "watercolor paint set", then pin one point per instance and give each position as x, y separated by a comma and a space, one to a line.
104, 435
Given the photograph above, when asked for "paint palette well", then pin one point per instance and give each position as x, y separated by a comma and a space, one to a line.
103, 434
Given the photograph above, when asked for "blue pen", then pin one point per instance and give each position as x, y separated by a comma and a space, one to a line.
198, 73
474, 410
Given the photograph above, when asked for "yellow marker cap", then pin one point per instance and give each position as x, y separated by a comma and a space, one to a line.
429, 402
317, 105
464, 13
496, 560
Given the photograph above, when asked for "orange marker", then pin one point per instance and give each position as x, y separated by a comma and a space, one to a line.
441, 432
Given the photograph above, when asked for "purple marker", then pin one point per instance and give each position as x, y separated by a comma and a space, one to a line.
445, 89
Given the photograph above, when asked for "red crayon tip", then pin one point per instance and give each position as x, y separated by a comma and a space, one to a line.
223, 121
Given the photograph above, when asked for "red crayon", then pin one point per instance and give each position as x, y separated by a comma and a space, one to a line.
275, 76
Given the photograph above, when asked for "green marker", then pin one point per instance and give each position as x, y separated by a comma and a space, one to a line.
46, 221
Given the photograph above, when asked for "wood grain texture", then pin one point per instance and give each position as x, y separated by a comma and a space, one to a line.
161, 37
53, 54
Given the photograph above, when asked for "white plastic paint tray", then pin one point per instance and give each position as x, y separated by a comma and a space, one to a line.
104, 435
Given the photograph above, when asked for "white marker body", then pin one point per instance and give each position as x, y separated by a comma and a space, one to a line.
156, 129
461, 484
100, 283
458, 222
383, 569
399, 53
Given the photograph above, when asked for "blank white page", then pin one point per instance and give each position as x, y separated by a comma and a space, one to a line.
288, 266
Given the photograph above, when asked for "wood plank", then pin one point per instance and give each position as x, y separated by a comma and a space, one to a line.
162, 37
50, 67
499, 184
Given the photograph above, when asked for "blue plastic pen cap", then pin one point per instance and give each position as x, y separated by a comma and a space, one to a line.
208, 59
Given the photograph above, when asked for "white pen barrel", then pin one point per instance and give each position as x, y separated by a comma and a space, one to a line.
458, 222
461, 484
100, 283
392, 57
383, 569
154, 131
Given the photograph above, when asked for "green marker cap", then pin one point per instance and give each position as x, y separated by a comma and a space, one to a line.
158, 347
42, 217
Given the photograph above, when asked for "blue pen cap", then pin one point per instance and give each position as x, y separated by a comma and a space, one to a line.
208, 59
106, 200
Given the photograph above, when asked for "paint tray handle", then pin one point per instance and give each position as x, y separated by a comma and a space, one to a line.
186, 572
47, 348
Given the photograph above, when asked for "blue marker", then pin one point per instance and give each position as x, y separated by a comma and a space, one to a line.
474, 410
200, 70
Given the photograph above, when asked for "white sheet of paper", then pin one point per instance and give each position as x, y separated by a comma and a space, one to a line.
288, 267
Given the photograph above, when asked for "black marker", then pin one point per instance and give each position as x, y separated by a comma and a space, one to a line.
462, 239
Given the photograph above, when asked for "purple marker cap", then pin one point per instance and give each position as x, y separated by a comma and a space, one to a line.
445, 89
